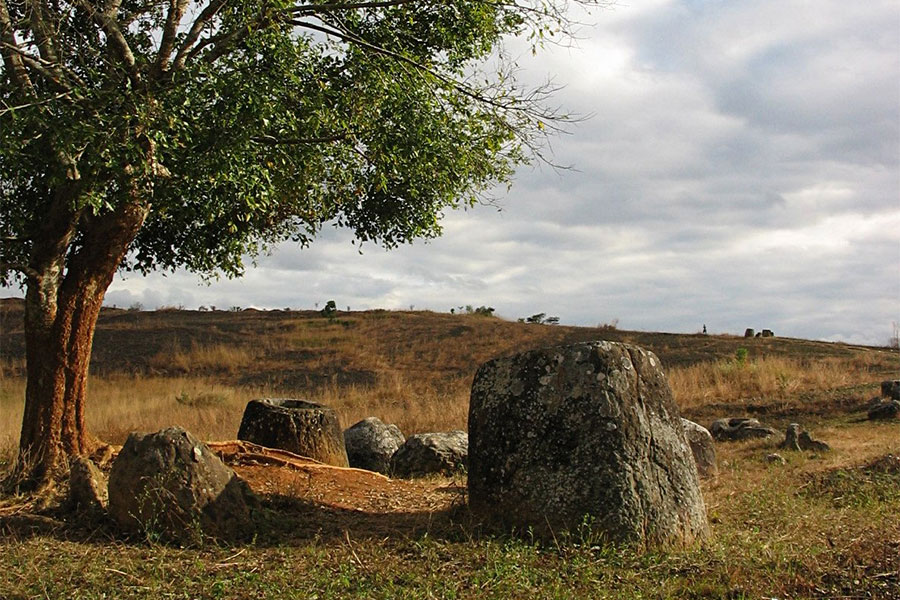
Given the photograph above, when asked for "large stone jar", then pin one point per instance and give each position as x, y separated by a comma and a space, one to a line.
170, 485
586, 434
305, 428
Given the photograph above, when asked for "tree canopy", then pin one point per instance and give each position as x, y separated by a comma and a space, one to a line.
242, 124
171, 133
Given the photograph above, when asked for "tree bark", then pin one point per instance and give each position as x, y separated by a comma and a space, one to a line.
61, 311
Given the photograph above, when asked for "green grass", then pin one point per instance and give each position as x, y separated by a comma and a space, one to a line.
820, 526
777, 531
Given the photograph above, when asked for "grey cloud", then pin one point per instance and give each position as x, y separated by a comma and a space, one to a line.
741, 169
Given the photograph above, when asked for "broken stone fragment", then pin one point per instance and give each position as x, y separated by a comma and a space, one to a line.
797, 439
87, 486
885, 411
739, 428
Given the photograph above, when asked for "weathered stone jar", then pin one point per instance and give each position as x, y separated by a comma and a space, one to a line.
305, 428
587, 433
169, 484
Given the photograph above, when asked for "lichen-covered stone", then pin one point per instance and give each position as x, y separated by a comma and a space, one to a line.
169, 485
426, 454
702, 447
371, 443
587, 433
304, 428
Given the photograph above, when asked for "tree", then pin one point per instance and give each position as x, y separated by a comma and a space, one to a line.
144, 135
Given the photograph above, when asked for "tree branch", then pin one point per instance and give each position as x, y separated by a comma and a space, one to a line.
40, 66
23, 269
460, 87
43, 37
170, 32
13, 61
307, 9
116, 40
270, 140
187, 46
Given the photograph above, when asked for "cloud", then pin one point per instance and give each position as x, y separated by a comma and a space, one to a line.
741, 169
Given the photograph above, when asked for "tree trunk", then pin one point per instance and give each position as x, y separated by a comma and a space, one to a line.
61, 311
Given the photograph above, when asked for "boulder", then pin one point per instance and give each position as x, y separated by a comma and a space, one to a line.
583, 435
739, 428
702, 447
426, 454
169, 485
304, 428
370, 444
87, 487
749, 332
885, 411
797, 439
891, 389
767, 333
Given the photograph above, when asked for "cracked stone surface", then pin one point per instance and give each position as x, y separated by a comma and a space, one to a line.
702, 447
426, 454
583, 433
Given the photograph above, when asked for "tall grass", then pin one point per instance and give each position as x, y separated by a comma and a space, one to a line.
120, 404
771, 377
416, 396
216, 357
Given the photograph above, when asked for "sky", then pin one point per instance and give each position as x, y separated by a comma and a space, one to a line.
740, 168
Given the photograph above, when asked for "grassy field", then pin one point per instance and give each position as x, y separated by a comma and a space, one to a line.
820, 526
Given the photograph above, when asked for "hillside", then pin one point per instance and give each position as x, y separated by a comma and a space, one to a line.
413, 368
817, 526
303, 348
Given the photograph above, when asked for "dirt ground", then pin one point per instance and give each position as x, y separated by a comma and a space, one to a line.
278, 473
312, 499
301, 498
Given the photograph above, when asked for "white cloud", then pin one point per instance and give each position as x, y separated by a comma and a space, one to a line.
741, 169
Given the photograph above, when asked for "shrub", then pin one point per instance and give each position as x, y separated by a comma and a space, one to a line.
541, 319
330, 309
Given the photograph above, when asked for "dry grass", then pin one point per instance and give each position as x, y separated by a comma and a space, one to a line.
770, 377
412, 369
123, 403
215, 357
394, 399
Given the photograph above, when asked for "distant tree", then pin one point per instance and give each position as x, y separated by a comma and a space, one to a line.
330, 309
149, 135
540, 319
